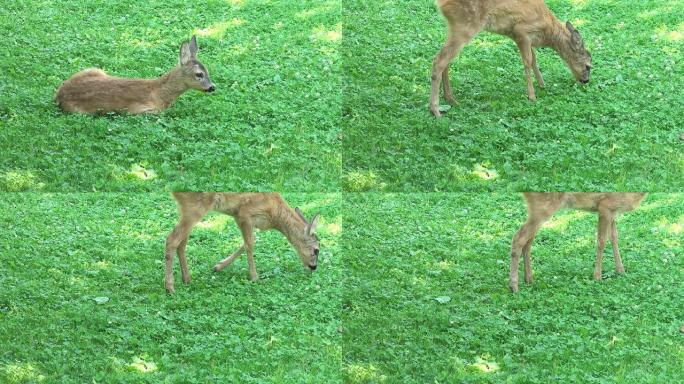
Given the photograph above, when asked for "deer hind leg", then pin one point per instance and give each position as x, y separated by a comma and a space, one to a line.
455, 42
525, 47
619, 268
247, 230
537, 73
522, 244
229, 260
605, 219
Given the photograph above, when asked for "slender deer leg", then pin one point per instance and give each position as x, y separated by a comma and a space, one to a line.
525, 48
179, 235
183, 262
522, 238
537, 73
448, 95
455, 42
526, 251
602, 233
228, 260
248, 236
619, 268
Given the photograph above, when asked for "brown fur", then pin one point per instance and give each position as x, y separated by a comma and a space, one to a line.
541, 206
261, 210
93, 91
529, 23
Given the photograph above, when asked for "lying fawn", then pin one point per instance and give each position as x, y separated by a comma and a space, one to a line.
260, 210
92, 90
529, 23
541, 206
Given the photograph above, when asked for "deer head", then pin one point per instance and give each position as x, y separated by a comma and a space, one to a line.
576, 55
194, 73
307, 246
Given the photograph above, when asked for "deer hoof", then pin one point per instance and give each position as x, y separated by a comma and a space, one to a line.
513, 287
435, 111
169, 290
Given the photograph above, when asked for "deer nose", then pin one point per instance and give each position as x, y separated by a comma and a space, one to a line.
313, 267
211, 88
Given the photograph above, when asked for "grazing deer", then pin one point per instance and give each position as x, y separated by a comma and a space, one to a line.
529, 23
93, 91
541, 206
260, 210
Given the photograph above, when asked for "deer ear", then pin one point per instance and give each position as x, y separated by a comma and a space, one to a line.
185, 54
312, 226
193, 46
575, 37
301, 215
569, 26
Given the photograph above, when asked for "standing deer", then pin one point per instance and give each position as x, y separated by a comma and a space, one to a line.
541, 206
529, 23
261, 210
93, 91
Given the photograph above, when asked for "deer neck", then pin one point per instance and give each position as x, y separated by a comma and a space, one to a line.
558, 39
287, 222
171, 85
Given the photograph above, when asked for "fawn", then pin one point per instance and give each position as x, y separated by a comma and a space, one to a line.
541, 206
261, 210
529, 23
93, 91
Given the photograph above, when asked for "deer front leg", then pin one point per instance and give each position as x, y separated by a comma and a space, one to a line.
601, 236
178, 236
185, 273
522, 243
537, 73
619, 268
525, 48
455, 42
526, 251
248, 236
448, 95
229, 260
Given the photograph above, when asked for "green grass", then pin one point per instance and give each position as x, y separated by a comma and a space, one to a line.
253, 133
619, 132
61, 252
427, 297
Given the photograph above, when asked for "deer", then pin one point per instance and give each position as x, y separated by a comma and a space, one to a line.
264, 211
542, 205
93, 91
529, 23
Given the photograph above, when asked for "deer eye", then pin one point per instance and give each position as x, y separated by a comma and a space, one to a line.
199, 75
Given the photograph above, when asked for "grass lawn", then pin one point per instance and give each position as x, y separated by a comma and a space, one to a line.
619, 132
82, 297
272, 124
427, 297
